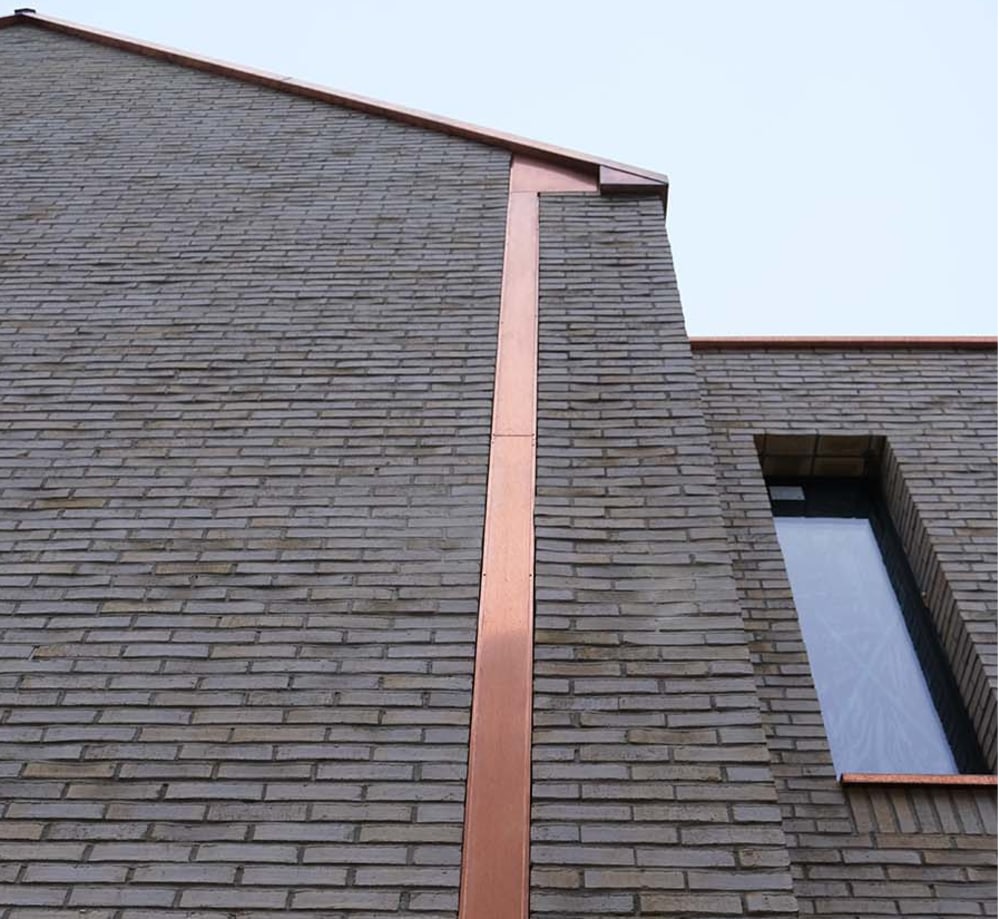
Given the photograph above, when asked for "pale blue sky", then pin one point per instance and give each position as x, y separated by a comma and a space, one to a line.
833, 163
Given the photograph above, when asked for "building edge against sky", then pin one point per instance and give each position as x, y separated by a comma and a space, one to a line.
891, 115
274, 494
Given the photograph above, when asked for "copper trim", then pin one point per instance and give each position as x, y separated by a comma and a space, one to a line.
620, 180
517, 344
873, 778
494, 881
530, 175
847, 343
496, 842
517, 145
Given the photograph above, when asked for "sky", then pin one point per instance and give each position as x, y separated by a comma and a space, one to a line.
832, 163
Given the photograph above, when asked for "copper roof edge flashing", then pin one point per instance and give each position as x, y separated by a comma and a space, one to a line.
846, 343
618, 181
518, 145
614, 181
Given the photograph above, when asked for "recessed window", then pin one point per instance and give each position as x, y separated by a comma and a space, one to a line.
889, 701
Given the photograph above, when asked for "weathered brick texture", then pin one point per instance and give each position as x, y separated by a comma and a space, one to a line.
653, 793
246, 355
871, 851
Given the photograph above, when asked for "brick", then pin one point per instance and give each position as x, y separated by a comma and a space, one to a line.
232, 898
697, 904
57, 873
140, 852
120, 895
23, 895
373, 900
184, 874
296, 876
355, 854
244, 791
408, 877
248, 852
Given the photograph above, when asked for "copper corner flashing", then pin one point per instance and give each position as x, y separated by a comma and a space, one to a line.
495, 848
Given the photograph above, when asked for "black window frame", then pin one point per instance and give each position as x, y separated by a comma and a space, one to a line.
860, 498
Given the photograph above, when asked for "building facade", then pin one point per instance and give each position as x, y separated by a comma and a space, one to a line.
377, 543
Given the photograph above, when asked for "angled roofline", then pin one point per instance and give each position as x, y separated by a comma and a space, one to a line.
846, 343
613, 177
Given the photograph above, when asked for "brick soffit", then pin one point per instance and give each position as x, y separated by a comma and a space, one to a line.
613, 177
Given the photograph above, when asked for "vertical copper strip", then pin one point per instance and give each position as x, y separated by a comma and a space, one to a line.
494, 882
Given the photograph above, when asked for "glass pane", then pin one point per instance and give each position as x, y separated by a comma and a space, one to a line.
877, 709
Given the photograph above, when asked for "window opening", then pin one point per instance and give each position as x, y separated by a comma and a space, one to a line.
889, 700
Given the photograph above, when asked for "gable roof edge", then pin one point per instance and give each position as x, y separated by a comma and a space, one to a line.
513, 143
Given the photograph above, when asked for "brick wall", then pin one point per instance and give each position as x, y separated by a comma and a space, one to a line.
653, 793
247, 345
870, 851
246, 364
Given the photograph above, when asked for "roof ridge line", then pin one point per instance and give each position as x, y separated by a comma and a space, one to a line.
515, 144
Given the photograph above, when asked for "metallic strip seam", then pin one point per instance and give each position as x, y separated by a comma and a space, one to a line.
495, 849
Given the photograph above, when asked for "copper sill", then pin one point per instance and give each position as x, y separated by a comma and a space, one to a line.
880, 778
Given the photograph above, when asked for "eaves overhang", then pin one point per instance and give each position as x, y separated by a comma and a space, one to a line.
612, 177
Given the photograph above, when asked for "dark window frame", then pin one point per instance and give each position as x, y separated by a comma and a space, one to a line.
861, 498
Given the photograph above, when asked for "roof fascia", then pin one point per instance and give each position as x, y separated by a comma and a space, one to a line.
644, 180
847, 343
